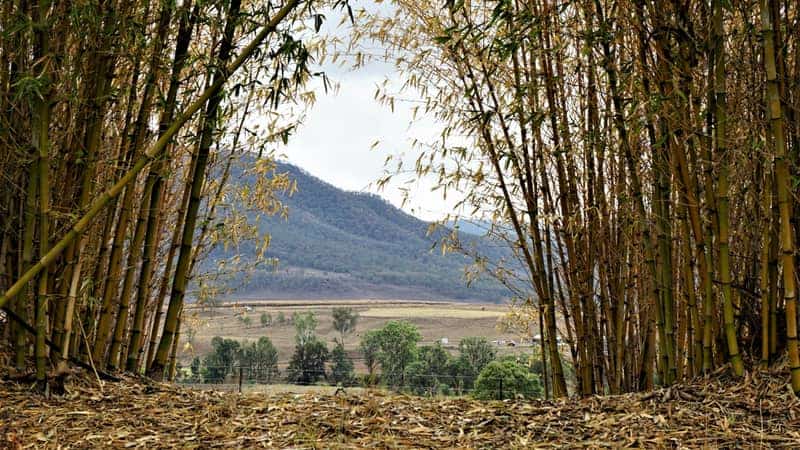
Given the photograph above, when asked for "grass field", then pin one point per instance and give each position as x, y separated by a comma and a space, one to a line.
435, 321
278, 388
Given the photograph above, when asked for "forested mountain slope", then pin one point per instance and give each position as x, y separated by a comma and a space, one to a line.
338, 244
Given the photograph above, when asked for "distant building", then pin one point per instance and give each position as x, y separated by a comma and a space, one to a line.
444, 341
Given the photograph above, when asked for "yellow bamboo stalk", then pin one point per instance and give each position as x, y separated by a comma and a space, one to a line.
102, 200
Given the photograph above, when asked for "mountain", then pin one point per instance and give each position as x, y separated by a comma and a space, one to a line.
338, 244
470, 227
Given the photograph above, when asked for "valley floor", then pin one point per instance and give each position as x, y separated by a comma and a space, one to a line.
759, 412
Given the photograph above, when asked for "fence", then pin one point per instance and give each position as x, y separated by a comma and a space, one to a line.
243, 378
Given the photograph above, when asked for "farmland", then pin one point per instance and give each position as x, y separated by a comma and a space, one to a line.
434, 320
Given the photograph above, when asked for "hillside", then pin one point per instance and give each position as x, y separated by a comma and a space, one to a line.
338, 244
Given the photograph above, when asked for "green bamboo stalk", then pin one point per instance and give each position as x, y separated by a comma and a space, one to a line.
783, 180
721, 122
156, 179
135, 248
181, 278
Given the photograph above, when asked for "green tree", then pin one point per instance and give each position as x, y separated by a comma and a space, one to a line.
429, 374
310, 353
457, 380
342, 370
397, 343
344, 321
261, 359
266, 319
219, 363
281, 318
506, 379
195, 368
474, 354
370, 347
305, 326
308, 361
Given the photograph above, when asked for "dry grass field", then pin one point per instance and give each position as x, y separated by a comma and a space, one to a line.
435, 321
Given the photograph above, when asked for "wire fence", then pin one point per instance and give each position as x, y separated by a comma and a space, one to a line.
270, 379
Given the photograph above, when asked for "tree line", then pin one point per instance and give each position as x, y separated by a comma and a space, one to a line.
640, 160
392, 356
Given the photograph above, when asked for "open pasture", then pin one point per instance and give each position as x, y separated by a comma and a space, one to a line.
437, 321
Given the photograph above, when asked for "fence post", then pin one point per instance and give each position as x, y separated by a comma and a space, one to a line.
241, 372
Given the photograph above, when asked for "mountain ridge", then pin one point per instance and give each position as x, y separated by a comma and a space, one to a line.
341, 244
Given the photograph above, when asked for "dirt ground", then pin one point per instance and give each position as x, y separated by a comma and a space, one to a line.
435, 321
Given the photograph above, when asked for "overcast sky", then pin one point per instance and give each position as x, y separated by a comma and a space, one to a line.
334, 142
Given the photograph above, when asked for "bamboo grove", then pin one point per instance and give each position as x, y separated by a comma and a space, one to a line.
119, 123
640, 159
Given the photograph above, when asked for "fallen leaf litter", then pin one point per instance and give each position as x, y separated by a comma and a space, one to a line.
759, 411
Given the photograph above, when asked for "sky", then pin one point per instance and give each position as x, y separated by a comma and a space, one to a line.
335, 141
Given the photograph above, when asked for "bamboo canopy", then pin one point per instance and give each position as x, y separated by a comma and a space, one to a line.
638, 159
94, 145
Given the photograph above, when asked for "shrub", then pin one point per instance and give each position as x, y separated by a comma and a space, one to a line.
506, 379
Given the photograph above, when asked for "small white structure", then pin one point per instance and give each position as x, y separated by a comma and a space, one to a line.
444, 341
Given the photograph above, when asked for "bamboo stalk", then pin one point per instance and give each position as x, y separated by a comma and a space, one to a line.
775, 115
99, 203
723, 213
156, 178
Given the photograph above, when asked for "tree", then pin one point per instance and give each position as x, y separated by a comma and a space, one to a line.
195, 369
218, 364
397, 344
474, 354
310, 353
370, 347
501, 380
266, 319
430, 373
260, 358
307, 365
344, 321
342, 370
305, 326
281, 319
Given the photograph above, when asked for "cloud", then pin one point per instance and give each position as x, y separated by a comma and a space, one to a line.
335, 142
